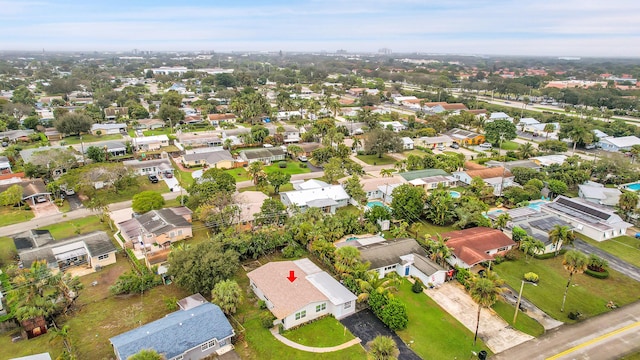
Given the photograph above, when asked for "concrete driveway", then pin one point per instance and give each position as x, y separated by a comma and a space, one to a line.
44, 209
365, 325
614, 262
74, 202
494, 331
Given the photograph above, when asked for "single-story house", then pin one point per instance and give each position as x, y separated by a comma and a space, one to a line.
510, 165
114, 148
192, 119
307, 148
328, 198
195, 331
623, 143
432, 142
249, 204
52, 134
407, 143
41, 356
217, 158
287, 115
527, 121
148, 124
162, 227
403, 256
395, 126
432, 182
475, 245
32, 190
108, 129
499, 116
294, 301
371, 186
196, 139
42, 155
266, 155
595, 221
599, 194
113, 113
149, 143
538, 225
93, 249
465, 137
217, 119
498, 178
548, 160
149, 167
16, 135
421, 174
538, 130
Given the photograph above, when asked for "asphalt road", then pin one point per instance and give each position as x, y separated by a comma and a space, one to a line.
614, 262
607, 336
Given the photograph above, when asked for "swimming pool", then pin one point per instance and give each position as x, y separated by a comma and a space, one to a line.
535, 205
634, 186
371, 204
454, 194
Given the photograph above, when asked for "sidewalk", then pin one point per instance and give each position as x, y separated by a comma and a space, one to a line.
295, 345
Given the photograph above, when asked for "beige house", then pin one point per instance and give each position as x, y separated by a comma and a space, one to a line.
216, 158
157, 227
150, 143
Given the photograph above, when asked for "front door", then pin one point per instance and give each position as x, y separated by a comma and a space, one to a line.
406, 271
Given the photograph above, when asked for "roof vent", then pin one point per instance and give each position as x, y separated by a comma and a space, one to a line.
192, 315
180, 324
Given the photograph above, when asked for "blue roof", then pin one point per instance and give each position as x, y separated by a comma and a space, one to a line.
175, 333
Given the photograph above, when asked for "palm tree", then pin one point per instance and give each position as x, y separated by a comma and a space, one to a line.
255, 168
295, 150
357, 143
502, 220
561, 235
549, 128
386, 172
484, 291
372, 282
628, 203
227, 143
531, 246
400, 231
580, 134
575, 262
526, 150
383, 348
346, 258
635, 150
438, 249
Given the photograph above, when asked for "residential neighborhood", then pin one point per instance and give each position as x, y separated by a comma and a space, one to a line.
292, 206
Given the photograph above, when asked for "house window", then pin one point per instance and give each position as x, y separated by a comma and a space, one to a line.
179, 232
301, 314
103, 257
172, 234
347, 305
179, 357
321, 307
503, 248
208, 345
388, 268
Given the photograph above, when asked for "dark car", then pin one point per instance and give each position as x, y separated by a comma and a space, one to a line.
153, 178
454, 146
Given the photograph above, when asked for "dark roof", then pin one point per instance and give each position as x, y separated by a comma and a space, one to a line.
425, 265
32, 239
388, 252
175, 333
97, 243
154, 222
263, 153
29, 187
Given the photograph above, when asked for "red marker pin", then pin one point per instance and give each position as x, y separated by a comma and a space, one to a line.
292, 276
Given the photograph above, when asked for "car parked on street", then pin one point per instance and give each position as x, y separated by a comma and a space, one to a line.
454, 146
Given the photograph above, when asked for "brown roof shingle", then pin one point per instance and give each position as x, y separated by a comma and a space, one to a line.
489, 173
471, 245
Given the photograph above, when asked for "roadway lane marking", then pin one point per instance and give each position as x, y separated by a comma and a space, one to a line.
593, 341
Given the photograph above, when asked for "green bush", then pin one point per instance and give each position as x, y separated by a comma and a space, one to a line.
293, 250
597, 274
266, 319
462, 275
132, 283
303, 165
262, 304
417, 286
549, 255
532, 277
394, 314
282, 164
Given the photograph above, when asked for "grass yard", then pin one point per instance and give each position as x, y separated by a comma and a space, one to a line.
88, 138
524, 323
269, 189
127, 194
626, 248
240, 174
374, 160
10, 215
432, 332
184, 177
510, 145
325, 332
161, 131
293, 168
349, 209
74, 227
587, 295
7, 251
425, 228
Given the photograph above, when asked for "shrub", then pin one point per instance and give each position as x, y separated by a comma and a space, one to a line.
293, 250
511, 255
282, 164
266, 319
394, 314
262, 304
463, 275
303, 165
498, 259
549, 255
131, 283
532, 277
574, 315
597, 274
417, 286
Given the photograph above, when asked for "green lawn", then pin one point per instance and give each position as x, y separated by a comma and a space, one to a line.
374, 160
510, 145
325, 332
127, 194
10, 215
88, 138
426, 228
161, 131
7, 251
432, 333
626, 248
184, 177
523, 323
587, 295
293, 168
74, 227
269, 189
349, 209
240, 174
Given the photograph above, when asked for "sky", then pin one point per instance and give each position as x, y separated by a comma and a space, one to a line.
497, 27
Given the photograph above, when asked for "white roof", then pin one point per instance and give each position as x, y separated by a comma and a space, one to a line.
417, 182
625, 141
499, 115
600, 134
307, 266
108, 126
151, 139
437, 139
309, 184
331, 288
407, 140
42, 356
550, 159
528, 121
392, 123
303, 197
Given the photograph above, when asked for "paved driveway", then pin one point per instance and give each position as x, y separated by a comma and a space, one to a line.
74, 202
365, 325
44, 209
494, 331
614, 263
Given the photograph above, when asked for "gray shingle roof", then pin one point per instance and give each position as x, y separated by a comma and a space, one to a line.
419, 174
388, 252
175, 333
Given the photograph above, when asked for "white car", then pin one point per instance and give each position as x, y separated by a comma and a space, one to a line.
486, 146
303, 158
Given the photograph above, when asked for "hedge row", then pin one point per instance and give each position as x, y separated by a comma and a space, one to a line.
140, 267
550, 255
597, 274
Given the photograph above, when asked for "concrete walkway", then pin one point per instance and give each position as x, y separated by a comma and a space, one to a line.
295, 345
494, 331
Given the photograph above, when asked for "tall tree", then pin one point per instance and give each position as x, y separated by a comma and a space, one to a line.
574, 262
255, 170
228, 295
526, 150
531, 246
561, 235
353, 187
278, 178
73, 123
408, 202
12, 196
484, 291
334, 170
146, 201
548, 129
382, 141
199, 268
500, 130
628, 203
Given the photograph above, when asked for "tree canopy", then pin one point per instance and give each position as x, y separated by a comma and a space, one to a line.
200, 267
382, 141
73, 123
146, 201
500, 130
